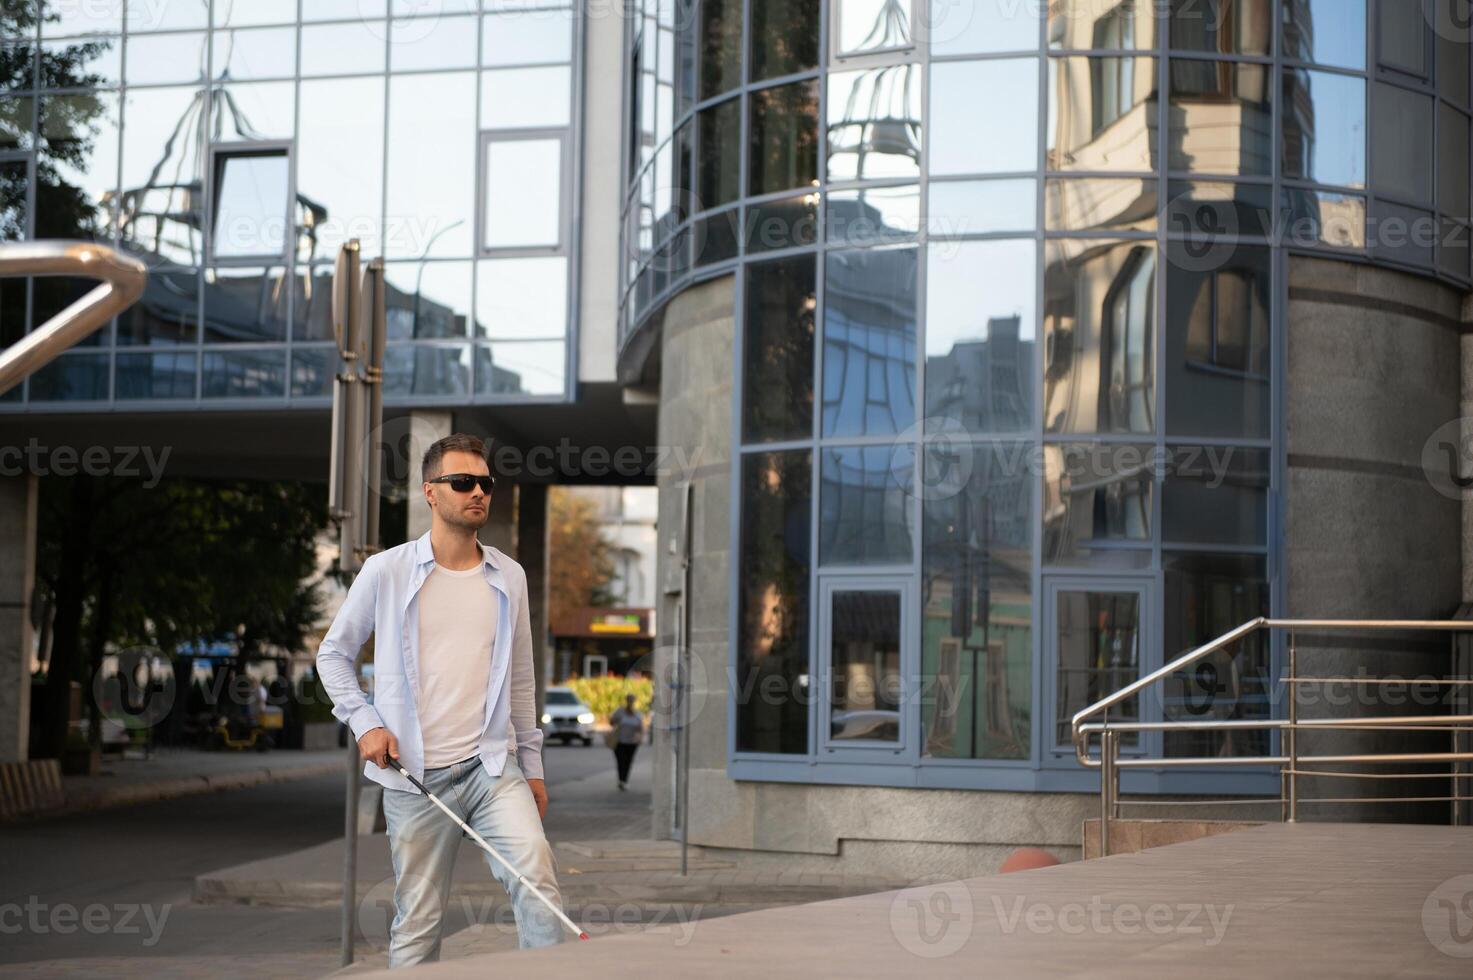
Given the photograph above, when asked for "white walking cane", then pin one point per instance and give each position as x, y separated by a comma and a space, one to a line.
492, 851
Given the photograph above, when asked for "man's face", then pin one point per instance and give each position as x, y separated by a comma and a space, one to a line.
468, 510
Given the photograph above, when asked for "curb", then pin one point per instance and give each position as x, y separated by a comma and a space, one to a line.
168, 789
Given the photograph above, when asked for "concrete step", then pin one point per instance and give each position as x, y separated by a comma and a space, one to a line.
1133, 836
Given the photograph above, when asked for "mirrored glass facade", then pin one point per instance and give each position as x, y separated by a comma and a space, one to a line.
235, 146
1016, 319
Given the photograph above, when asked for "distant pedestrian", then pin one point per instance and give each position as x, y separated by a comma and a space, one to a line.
628, 726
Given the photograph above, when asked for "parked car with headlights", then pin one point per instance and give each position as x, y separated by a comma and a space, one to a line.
566, 718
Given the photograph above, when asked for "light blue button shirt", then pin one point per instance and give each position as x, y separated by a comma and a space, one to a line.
383, 601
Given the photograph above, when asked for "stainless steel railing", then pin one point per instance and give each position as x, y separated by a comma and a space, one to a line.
123, 279
1289, 760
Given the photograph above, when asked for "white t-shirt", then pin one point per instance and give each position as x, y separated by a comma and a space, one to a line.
457, 632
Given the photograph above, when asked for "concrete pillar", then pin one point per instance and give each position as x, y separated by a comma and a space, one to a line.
425, 427
532, 535
18, 495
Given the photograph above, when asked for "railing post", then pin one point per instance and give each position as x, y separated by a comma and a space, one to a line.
1107, 787
1293, 733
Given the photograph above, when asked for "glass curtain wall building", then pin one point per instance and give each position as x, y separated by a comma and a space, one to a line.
1010, 284
234, 146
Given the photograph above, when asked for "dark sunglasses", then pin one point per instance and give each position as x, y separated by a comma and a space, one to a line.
462, 482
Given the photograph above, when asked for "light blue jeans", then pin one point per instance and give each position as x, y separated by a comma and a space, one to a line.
424, 842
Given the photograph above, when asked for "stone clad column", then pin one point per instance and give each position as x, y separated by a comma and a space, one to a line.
531, 553
424, 429
18, 496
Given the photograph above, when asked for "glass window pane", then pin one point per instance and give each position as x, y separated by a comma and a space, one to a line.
1102, 114
162, 59
1453, 248
72, 378
527, 37
976, 600
251, 203
168, 312
1452, 49
79, 134
523, 192
150, 15
427, 299
867, 26
513, 98
1215, 495
1222, 26
64, 19
865, 505
170, 375
784, 138
245, 13
787, 223
1099, 645
1401, 156
255, 111
15, 183
18, 65
424, 369
432, 154
874, 123
1100, 337
52, 294
1452, 162
521, 368
721, 46
1206, 596
777, 344
864, 659
312, 371
343, 9
264, 53
1320, 218
244, 374
1100, 204
1215, 210
245, 305
17, 122
351, 48
784, 37
973, 207
1222, 118
1096, 499
982, 26
1325, 128
1218, 342
521, 298
340, 161
716, 238
1402, 34
873, 215
1102, 25
718, 164
161, 180
432, 43
1402, 234
980, 329
94, 62
984, 116
312, 307
869, 342
1327, 32
772, 668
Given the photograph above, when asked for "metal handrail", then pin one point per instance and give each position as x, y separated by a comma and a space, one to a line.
1109, 763
123, 279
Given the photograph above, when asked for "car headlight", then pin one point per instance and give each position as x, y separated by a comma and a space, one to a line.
586, 718
547, 719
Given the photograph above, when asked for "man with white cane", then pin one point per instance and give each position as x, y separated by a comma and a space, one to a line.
452, 731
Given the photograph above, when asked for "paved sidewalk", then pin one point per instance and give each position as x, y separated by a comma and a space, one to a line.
182, 772
1348, 901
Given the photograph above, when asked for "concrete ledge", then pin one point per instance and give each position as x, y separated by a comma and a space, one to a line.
1131, 836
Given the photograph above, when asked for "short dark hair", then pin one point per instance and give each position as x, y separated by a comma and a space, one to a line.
456, 442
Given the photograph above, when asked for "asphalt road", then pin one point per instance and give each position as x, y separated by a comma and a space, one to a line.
109, 893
